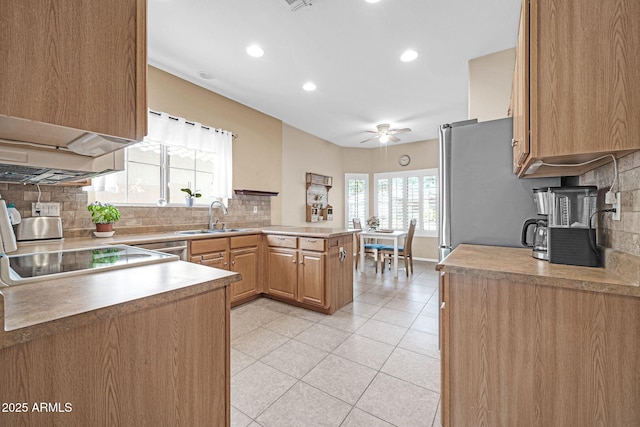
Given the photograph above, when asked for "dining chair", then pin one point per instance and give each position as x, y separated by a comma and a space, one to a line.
404, 251
369, 248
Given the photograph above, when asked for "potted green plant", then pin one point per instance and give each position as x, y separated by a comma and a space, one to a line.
103, 215
191, 195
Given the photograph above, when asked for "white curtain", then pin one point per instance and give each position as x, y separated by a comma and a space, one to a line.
175, 131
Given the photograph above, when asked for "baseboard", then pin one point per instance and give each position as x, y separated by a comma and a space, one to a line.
425, 259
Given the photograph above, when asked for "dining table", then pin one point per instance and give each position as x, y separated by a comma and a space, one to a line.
394, 235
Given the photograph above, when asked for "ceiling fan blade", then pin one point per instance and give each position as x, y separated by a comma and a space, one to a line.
397, 131
393, 138
368, 139
371, 131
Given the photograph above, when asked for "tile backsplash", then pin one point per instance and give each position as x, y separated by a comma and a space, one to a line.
623, 235
76, 221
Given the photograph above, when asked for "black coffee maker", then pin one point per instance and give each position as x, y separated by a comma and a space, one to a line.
539, 235
571, 232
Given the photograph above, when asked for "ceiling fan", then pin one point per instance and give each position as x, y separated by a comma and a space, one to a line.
384, 134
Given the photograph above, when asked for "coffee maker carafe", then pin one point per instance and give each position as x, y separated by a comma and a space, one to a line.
539, 243
539, 235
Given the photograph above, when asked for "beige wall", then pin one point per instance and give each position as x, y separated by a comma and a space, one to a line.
490, 81
257, 152
302, 153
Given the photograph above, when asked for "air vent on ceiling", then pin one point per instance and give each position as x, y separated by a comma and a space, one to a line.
297, 4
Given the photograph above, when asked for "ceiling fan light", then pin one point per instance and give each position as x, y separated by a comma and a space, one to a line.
384, 138
409, 55
255, 51
309, 86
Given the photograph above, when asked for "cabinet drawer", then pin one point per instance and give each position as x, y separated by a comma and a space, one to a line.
243, 241
209, 245
313, 244
214, 259
282, 241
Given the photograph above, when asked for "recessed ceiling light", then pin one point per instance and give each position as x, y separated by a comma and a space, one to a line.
255, 51
372, 1
205, 75
309, 86
408, 55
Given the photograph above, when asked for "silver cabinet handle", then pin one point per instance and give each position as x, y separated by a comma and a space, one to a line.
514, 142
312, 240
442, 306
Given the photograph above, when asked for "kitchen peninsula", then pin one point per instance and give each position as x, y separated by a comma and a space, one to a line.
526, 342
149, 345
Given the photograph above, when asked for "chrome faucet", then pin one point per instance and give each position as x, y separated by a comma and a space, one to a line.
217, 204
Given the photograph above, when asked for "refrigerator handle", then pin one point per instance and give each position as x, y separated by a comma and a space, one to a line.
444, 191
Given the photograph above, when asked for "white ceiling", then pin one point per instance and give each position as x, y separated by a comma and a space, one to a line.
349, 48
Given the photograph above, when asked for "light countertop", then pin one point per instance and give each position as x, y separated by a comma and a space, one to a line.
517, 264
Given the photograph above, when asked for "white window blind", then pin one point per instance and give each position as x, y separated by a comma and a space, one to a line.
357, 198
403, 196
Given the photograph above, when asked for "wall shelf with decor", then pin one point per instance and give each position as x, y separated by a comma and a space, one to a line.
256, 193
318, 207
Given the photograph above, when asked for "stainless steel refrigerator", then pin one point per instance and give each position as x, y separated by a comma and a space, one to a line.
481, 201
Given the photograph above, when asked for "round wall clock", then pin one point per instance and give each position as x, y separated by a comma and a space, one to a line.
404, 160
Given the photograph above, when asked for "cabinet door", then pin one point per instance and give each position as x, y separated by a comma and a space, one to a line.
520, 101
311, 278
80, 65
491, 354
245, 262
283, 273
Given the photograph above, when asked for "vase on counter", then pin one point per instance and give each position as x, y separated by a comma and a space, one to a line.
189, 201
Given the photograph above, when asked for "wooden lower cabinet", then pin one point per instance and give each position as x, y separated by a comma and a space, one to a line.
298, 275
307, 271
210, 252
311, 278
237, 253
245, 259
245, 262
283, 273
311, 272
514, 353
166, 365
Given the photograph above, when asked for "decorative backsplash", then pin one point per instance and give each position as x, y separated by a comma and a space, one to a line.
76, 221
623, 235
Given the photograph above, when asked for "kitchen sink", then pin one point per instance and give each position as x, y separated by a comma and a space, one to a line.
209, 231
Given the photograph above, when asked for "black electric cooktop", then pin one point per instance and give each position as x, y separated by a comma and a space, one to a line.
16, 269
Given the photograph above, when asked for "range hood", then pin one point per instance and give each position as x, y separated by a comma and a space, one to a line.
37, 166
40, 153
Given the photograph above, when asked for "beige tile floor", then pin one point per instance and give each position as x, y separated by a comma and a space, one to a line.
373, 363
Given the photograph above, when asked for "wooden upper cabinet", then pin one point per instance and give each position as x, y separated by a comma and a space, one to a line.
78, 64
520, 95
582, 91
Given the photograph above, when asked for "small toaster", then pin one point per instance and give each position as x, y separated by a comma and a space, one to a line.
39, 228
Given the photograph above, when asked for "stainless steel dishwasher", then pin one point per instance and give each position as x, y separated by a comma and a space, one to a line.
174, 247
